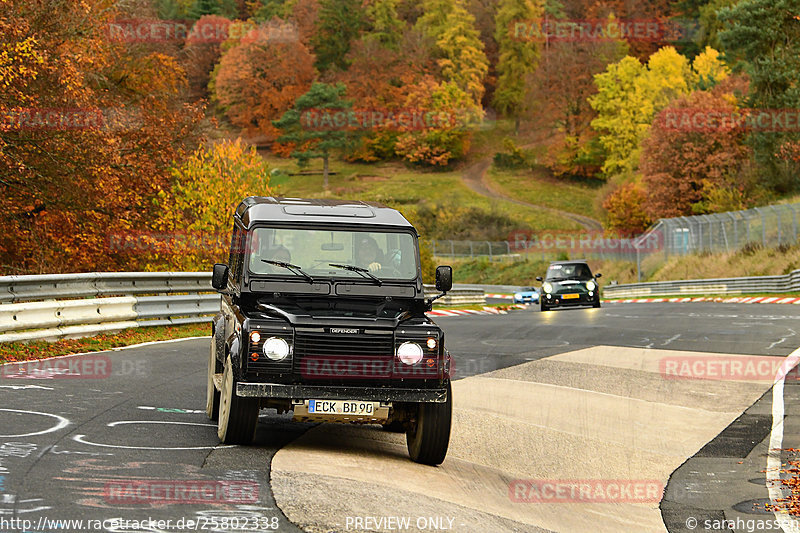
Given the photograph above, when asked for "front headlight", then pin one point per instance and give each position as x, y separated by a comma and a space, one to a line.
276, 349
591, 285
548, 287
409, 353
518, 296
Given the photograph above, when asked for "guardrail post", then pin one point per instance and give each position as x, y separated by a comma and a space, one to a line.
490, 249
452, 249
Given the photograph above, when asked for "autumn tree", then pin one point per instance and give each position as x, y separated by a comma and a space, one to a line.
629, 94
203, 51
443, 134
210, 182
310, 125
692, 155
339, 22
558, 94
518, 56
625, 211
259, 79
304, 15
457, 45
91, 127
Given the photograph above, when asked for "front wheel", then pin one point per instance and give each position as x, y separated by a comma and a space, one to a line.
596, 305
544, 307
237, 416
429, 435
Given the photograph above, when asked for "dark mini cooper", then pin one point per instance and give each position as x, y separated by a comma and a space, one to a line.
569, 284
323, 315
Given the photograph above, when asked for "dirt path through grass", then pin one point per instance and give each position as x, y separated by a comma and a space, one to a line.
474, 177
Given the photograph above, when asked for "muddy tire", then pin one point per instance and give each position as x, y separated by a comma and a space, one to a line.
237, 416
429, 435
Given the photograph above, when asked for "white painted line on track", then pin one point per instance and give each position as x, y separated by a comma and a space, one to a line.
773, 475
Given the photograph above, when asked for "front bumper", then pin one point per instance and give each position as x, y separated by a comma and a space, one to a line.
557, 300
330, 392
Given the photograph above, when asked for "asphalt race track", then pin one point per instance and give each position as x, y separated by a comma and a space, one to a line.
565, 395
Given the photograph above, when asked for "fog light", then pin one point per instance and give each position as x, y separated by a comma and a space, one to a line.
591, 293
255, 337
431, 343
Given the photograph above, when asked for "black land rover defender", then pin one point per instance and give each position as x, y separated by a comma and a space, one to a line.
323, 314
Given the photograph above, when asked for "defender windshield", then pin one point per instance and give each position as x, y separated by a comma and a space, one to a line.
574, 271
385, 255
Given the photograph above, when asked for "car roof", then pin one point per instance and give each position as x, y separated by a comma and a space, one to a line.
255, 209
574, 261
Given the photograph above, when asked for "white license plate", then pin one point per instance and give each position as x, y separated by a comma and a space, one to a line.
341, 407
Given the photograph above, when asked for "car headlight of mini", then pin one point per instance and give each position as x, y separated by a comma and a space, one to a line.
548, 287
276, 349
591, 285
409, 353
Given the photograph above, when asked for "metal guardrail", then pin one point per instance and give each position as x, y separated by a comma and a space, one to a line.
96, 284
55, 306
722, 286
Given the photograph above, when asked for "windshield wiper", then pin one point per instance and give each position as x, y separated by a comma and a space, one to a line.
288, 266
363, 271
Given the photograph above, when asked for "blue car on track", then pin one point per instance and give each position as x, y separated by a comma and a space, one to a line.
526, 295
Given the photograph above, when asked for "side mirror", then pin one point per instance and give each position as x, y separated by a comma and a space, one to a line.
539, 278
598, 275
444, 278
219, 278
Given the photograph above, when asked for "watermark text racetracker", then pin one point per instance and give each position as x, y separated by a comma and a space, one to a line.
603, 30
584, 242
726, 368
82, 367
585, 491
180, 492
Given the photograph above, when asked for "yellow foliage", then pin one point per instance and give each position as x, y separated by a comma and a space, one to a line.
709, 67
207, 189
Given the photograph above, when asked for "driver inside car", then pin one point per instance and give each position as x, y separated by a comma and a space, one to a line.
368, 254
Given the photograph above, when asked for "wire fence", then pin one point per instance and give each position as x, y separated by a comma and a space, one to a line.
769, 227
547, 247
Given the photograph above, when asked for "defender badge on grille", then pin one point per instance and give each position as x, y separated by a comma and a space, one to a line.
344, 330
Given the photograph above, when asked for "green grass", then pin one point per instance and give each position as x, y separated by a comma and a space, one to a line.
406, 188
534, 187
23, 351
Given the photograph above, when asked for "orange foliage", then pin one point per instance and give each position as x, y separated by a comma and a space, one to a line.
88, 132
625, 210
260, 78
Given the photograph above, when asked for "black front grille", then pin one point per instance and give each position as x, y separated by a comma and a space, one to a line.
337, 357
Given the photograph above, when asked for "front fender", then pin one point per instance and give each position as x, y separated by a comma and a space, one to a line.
235, 351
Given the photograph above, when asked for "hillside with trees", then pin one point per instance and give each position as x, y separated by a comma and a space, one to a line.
149, 118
